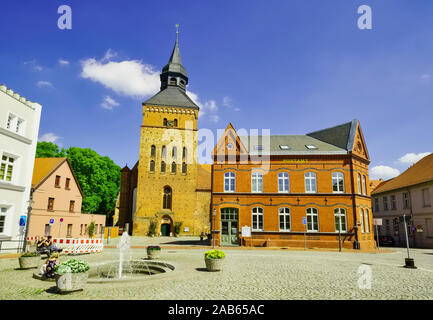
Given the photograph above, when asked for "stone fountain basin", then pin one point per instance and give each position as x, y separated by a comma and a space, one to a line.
132, 270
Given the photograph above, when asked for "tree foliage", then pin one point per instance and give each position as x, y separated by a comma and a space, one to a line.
98, 176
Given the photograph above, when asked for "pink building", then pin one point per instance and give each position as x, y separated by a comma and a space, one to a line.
57, 197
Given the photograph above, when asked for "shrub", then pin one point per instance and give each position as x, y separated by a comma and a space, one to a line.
177, 227
30, 254
153, 248
73, 266
91, 229
152, 228
214, 254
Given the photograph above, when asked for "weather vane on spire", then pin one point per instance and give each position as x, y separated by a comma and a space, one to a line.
177, 31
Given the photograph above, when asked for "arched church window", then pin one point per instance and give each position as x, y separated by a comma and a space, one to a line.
162, 166
173, 81
173, 167
175, 122
174, 152
167, 198
184, 153
163, 151
152, 166
165, 122
152, 151
184, 167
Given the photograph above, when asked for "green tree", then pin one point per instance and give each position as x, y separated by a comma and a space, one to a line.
49, 150
98, 176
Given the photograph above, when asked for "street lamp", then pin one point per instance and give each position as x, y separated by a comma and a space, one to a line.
213, 227
29, 211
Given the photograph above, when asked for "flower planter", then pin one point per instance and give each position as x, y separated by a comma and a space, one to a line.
213, 264
70, 282
29, 262
153, 254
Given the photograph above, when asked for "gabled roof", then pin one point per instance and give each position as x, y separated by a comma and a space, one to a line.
420, 172
342, 136
171, 96
45, 167
297, 145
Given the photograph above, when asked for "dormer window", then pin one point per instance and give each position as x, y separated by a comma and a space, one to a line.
229, 146
284, 147
311, 147
258, 147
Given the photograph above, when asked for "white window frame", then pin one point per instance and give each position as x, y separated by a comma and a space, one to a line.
367, 221
228, 176
359, 184
364, 185
337, 176
5, 215
338, 213
310, 178
361, 219
314, 212
257, 177
284, 212
14, 166
285, 178
259, 215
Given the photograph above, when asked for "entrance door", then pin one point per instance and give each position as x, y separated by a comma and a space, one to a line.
165, 229
229, 226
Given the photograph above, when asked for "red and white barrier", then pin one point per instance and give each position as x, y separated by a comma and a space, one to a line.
76, 246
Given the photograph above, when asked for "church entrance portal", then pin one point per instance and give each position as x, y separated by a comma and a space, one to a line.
165, 230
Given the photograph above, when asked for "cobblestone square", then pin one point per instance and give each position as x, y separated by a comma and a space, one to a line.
248, 274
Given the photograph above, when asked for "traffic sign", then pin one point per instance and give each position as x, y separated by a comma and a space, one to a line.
51, 221
304, 221
61, 219
23, 221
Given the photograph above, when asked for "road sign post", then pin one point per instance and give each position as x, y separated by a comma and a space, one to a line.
409, 263
60, 225
377, 222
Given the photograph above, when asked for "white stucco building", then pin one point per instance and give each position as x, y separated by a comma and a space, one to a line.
410, 193
19, 127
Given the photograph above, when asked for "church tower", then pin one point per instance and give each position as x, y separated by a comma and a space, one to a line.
167, 167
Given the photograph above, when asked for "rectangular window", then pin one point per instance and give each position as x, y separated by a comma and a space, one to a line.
47, 230
406, 201
426, 197
6, 168
393, 203
310, 182
385, 203
3, 214
69, 231
57, 183
81, 229
67, 183
50, 204
376, 204
388, 227
429, 227
257, 182
71, 205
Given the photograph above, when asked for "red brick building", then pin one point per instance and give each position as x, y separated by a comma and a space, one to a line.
271, 184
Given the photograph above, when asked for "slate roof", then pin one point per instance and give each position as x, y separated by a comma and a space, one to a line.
175, 63
335, 140
172, 96
420, 172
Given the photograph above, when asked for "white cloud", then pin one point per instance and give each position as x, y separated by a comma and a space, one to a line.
46, 84
426, 76
128, 77
63, 62
34, 65
208, 109
49, 137
109, 103
227, 102
411, 158
383, 172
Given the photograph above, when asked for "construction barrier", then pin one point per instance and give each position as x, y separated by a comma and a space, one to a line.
76, 246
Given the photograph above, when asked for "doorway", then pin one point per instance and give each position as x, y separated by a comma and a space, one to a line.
165, 229
230, 226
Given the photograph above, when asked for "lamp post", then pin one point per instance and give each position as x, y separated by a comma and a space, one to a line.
213, 227
29, 211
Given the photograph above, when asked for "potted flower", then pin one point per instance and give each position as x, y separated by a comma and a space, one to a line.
213, 259
153, 252
71, 275
29, 260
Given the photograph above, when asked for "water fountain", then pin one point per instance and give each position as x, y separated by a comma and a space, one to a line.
124, 245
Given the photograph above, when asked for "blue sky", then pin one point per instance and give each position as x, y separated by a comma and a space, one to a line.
292, 66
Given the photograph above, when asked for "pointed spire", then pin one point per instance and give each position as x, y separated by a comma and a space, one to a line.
174, 74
